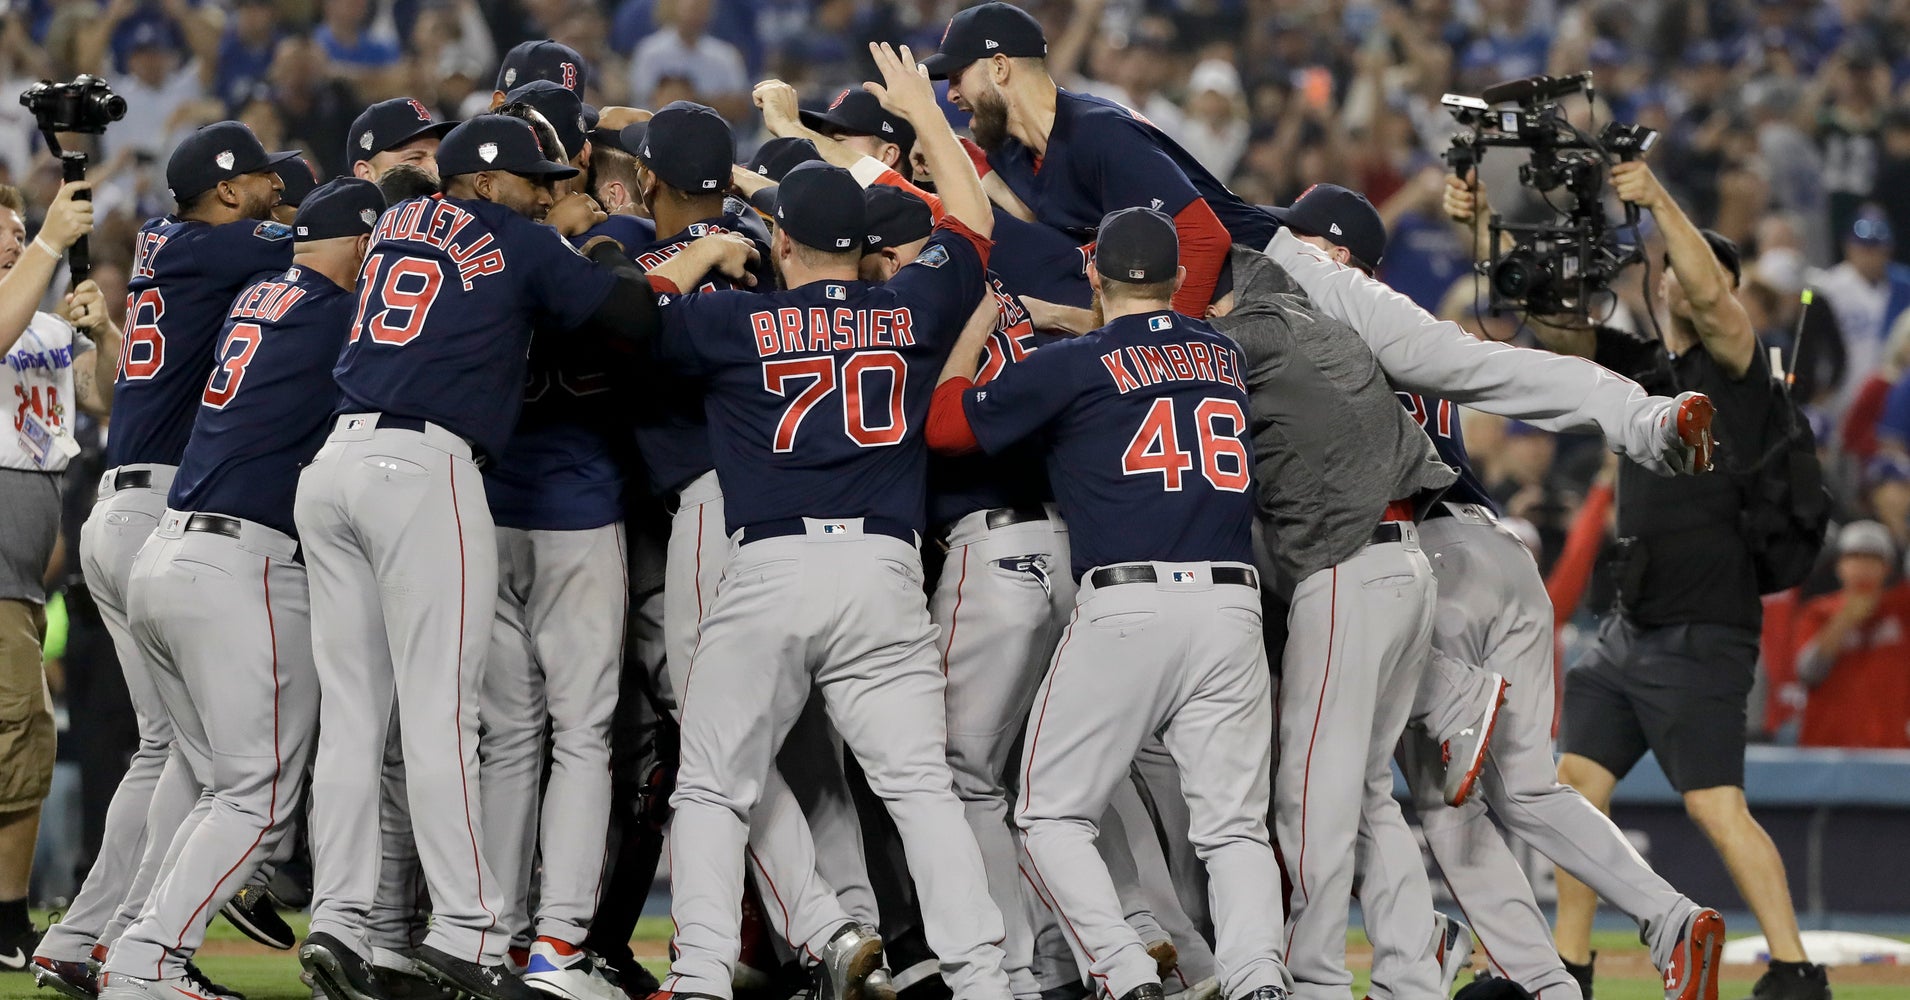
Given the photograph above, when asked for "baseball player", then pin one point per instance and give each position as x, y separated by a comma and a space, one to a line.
556, 497
1165, 636
389, 133
540, 59
686, 152
829, 528
1067, 159
1492, 611
429, 381
297, 180
613, 182
217, 598
186, 268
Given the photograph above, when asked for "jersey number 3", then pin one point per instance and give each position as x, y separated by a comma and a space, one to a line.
1223, 459
234, 356
865, 376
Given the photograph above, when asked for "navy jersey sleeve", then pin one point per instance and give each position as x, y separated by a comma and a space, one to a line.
704, 330
238, 251
1130, 169
1022, 399
943, 282
564, 284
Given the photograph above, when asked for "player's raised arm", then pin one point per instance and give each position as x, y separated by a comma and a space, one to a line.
905, 89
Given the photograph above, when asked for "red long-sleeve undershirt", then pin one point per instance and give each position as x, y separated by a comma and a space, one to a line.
1572, 573
1204, 243
947, 431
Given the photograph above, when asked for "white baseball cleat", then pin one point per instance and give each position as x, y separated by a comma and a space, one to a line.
1465, 753
565, 970
1452, 946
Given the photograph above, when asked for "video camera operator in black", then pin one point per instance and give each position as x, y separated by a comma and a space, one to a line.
1674, 664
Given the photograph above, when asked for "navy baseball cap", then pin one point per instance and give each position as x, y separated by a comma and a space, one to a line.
857, 112
347, 206
543, 59
777, 157
217, 152
992, 29
688, 145
390, 124
566, 112
497, 142
298, 178
1138, 246
894, 217
820, 206
1341, 216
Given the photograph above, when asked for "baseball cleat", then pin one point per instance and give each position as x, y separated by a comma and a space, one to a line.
119, 986
251, 911
337, 969
499, 982
1792, 981
75, 980
1465, 753
398, 978
1693, 427
566, 970
636, 982
1166, 958
850, 967
1452, 947
1206, 989
1145, 991
1582, 974
200, 979
1266, 993
1692, 973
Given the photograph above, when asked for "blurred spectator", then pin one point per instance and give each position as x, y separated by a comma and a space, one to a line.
349, 39
1425, 253
1866, 419
1854, 648
1216, 128
1892, 189
680, 49
1868, 291
245, 51
318, 108
1847, 128
1887, 495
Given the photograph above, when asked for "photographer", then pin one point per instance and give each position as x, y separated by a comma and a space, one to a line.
1673, 667
46, 371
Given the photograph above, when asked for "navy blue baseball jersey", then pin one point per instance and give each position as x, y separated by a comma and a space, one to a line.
184, 277
268, 405
1145, 425
673, 434
560, 470
1440, 419
817, 395
959, 485
1102, 156
1040, 262
446, 301
629, 231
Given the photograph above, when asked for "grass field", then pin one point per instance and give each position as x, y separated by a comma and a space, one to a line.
1625, 971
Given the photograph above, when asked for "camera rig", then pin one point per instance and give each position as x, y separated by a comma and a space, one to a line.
85, 105
1558, 266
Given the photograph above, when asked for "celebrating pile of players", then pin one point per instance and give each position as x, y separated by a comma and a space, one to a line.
555, 483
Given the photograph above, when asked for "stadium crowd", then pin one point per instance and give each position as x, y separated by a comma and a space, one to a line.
1786, 127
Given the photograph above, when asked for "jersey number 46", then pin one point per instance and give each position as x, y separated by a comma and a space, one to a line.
864, 377
1218, 424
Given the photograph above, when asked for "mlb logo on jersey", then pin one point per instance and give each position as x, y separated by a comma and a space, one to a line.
835, 292
700, 229
835, 528
357, 423
1159, 323
1185, 576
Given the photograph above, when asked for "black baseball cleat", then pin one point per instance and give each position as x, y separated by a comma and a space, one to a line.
1265, 993
499, 982
341, 972
16, 950
626, 974
251, 911
1145, 991
1792, 981
198, 978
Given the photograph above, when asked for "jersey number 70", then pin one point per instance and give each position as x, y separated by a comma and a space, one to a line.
864, 375
1156, 446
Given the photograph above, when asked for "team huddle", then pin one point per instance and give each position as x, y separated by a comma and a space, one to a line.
402, 465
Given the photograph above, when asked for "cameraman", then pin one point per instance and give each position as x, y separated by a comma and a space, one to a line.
1673, 667
44, 372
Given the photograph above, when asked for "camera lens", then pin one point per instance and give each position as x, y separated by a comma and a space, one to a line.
1513, 277
111, 106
